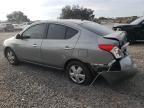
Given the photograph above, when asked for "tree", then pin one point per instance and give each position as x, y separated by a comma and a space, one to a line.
18, 17
77, 12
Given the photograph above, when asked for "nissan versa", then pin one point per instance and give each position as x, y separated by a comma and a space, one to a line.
83, 49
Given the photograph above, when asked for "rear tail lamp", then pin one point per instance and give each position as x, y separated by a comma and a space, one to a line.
112, 49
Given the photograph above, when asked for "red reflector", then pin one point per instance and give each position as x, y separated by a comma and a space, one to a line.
106, 47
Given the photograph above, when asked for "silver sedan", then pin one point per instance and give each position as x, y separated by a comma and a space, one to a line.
84, 49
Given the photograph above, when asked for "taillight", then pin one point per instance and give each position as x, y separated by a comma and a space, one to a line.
112, 49
106, 47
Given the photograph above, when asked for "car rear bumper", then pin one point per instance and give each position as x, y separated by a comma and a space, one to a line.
125, 68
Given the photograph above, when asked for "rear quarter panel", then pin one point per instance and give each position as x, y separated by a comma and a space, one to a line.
87, 49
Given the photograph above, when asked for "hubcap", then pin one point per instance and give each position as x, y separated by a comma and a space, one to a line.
10, 56
77, 74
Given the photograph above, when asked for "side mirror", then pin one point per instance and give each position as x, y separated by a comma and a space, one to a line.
18, 36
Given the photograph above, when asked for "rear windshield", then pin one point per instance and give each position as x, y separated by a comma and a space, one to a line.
96, 28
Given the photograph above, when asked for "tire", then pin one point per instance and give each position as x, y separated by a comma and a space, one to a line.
79, 73
11, 56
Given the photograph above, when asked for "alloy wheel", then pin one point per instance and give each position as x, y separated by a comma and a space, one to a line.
10, 56
76, 74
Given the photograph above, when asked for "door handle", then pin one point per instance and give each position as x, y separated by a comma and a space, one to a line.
34, 45
68, 48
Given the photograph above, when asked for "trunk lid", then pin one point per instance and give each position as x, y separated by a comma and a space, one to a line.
120, 36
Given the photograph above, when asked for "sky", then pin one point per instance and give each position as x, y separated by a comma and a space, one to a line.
51, 9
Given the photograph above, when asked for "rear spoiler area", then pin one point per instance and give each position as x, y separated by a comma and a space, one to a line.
119, 36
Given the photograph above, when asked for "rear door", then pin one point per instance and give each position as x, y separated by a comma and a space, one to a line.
58, 45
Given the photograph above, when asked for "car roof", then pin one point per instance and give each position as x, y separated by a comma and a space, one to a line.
64, 21
76, 21
67, 22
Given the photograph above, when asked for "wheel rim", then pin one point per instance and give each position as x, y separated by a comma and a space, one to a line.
10, 56
76, 74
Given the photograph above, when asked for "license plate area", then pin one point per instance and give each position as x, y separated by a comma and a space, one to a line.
124, 48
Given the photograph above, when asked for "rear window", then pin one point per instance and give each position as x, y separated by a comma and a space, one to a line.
70, 32
56, 31
96, 28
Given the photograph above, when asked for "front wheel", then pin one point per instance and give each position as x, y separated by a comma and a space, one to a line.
79, 73
11, 57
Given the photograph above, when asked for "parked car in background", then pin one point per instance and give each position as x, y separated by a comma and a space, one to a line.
6, 27
83, 49
134, 30
19, 27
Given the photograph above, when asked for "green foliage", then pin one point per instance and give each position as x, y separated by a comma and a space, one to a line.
76, 12
18, 17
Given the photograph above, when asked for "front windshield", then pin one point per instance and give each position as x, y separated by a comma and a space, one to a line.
137, 21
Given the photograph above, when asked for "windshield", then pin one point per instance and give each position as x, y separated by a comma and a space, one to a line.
96, 28
137, 21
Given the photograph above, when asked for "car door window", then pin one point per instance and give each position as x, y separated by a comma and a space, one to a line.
56, 31
70, 32
36, 31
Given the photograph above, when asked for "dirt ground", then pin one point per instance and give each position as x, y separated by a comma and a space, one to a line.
31, 86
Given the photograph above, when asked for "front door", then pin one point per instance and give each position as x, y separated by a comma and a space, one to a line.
28, 48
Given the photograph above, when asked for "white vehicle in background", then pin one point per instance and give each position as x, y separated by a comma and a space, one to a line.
6, 27
19, 27
24, 25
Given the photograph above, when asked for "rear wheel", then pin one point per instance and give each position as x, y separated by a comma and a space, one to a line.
79, 73
11, 57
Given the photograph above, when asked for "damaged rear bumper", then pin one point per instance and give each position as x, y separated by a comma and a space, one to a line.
119, 70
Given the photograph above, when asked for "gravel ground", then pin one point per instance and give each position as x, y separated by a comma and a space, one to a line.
31, 86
